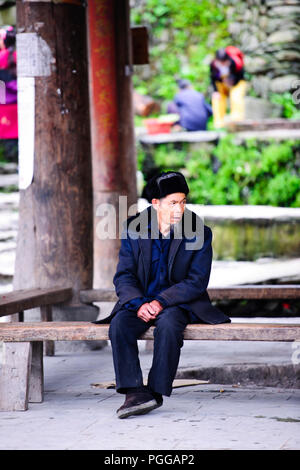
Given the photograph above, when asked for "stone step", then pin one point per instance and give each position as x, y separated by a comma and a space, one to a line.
8, 168
9, 181
263, 125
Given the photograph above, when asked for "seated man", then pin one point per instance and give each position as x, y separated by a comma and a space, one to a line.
191, 106
161, 280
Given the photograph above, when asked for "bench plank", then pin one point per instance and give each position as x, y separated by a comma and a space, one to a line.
78, 331
249, 291
255, 292
16, 301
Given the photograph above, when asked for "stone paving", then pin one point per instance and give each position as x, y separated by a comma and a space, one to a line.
77, 415
230, 414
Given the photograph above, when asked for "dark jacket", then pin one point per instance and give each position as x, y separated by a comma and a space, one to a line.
188, 269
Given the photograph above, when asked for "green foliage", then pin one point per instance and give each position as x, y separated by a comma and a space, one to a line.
194, 31
231, 173
290, 110
184, 35
256, 173
167, 156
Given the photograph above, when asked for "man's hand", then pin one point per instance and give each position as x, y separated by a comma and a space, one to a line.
149, 310
157, 306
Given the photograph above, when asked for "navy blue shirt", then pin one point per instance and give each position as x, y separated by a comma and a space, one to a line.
158, 280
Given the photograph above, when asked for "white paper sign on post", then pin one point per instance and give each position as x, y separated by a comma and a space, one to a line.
35, 57
34, 60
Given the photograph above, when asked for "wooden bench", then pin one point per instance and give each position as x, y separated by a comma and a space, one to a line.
14, 303
22, 370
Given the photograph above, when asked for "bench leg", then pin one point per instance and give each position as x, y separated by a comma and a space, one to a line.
46, 315
14, 380
36, 381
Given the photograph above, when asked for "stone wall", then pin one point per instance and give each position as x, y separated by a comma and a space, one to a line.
268, 32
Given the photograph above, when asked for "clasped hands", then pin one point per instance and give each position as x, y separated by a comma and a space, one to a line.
149, 310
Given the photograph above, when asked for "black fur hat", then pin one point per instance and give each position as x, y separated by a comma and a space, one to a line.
165, 183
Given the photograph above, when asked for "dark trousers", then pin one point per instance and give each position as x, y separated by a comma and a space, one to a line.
126, 328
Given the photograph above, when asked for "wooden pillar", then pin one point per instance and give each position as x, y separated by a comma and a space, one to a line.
55, 242
113, 154
125, 101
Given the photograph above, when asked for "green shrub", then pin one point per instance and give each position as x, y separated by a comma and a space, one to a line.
290, 110
251, 172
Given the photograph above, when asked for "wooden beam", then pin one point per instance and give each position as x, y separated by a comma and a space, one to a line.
255, 292
17, 301
139, 38
82, 331
250, 291
98, 295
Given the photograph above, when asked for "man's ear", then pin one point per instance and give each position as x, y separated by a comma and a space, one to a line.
155, 203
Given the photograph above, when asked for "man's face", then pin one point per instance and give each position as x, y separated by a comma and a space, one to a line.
170, 208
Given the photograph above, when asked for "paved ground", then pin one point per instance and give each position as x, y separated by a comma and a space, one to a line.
76, 415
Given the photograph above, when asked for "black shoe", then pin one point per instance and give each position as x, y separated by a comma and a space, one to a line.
158, 397
138, 403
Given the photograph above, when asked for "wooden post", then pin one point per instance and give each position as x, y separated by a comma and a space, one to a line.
46, 315
22, 375
124, 59
113, 155
55, 239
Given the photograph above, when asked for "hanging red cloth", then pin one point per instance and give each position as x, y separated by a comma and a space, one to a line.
9, 109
